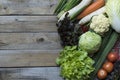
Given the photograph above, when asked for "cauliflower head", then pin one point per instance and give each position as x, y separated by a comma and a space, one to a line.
100, 24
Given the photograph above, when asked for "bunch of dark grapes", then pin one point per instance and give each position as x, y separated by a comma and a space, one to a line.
68, 33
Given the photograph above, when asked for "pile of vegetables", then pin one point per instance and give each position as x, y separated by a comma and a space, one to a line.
108, 65
88, 32
110, 69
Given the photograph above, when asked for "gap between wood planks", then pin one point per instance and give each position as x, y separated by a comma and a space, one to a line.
25, 24
28, 15
28, 58
41, 73
27, 6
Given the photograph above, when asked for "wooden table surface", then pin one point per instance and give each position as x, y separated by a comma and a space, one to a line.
29, 43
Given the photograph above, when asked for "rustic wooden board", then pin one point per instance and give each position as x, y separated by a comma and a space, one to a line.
27, 6
28, 58
28, 38
43, 73
28, 24
28, 41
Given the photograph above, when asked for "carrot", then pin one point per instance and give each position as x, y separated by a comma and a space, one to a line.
88, 17
93, 7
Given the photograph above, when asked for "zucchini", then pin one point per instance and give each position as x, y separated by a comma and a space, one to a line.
113, 38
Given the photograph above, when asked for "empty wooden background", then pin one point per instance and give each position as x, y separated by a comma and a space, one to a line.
29, 43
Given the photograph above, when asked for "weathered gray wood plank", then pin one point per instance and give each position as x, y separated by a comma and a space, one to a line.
42, 73
27, 6
28, 24
28, 41
28, 58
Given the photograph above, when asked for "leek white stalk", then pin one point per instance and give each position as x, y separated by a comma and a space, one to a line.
70, 4
88, 17
76, 10
113, 12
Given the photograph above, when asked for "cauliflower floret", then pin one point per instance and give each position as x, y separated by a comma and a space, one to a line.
100, 24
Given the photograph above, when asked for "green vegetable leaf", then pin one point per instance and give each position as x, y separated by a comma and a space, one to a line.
75, 64
113, 12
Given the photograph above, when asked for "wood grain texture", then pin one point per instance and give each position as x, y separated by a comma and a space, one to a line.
27, 6
29, 41
28, 38
28, 58
43, 73
28, 24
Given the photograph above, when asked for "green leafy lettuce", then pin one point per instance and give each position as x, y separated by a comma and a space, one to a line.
75, 64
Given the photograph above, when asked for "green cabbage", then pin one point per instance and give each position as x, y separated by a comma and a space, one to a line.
90, 42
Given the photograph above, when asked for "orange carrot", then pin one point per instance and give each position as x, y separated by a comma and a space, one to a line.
93, 7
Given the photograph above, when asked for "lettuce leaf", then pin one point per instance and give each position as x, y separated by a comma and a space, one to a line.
75, 64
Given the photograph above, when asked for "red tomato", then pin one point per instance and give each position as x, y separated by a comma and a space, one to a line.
112, 56
108, 66
102, 74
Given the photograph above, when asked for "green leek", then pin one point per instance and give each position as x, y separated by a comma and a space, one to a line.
60, 6
70, 4
76, 10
